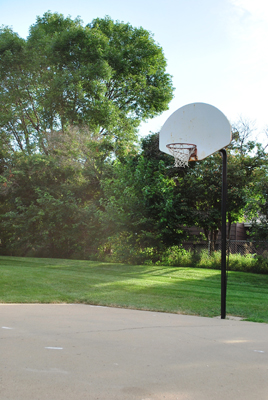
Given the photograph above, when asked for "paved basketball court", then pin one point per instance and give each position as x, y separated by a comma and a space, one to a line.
73, 352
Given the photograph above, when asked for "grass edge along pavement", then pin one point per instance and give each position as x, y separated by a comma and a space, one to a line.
193, 291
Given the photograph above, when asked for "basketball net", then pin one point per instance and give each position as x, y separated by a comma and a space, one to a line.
182, 153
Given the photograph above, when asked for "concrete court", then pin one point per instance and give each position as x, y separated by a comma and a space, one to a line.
80, 352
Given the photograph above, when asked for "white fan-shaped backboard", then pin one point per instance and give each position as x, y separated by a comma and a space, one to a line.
200, 124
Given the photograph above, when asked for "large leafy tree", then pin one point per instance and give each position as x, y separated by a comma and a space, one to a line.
71, 100
108, 76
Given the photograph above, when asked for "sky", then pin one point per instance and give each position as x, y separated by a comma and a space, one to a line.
216, 50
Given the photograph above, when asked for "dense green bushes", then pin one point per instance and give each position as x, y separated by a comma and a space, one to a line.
179, 257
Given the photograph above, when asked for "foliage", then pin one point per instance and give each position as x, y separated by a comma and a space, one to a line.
177, 256
248, 170
257, 207
199, 186
108, 76
141, 200
149, 204
126, 248
71, 100
49, 205
202, 183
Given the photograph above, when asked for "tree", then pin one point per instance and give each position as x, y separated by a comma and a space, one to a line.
107, 76
143, 207
71, 100
257, 205
156, 203
257, 208
49, 203
202, 182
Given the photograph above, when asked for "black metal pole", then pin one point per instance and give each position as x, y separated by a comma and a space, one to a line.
223, 233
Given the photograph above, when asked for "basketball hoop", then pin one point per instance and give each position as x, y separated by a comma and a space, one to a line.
210, 130
182, 152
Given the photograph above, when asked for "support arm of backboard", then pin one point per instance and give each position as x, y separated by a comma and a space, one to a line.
223, 233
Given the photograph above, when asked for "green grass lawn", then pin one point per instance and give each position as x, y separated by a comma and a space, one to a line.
193, 291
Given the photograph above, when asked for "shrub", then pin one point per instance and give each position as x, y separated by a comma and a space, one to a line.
121, 249
125, 248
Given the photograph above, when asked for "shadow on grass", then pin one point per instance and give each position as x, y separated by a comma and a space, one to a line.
157, 288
